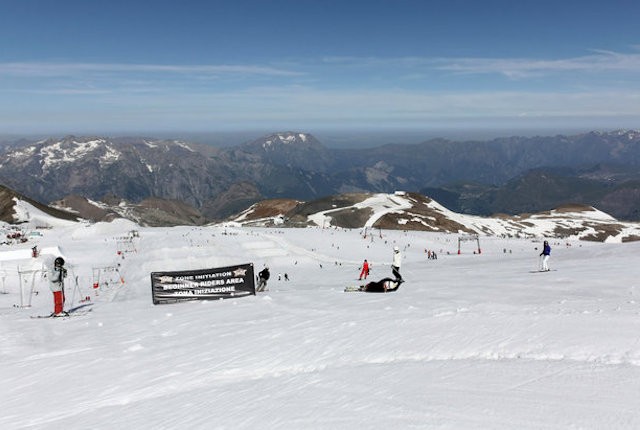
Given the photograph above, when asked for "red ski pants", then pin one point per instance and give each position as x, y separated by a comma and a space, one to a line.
58, 302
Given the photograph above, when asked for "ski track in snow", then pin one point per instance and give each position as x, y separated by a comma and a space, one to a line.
469, 341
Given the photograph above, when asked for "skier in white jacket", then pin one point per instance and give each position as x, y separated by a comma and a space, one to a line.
56, 282
395, 266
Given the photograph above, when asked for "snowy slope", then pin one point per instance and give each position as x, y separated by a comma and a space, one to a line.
31, 216
469, 341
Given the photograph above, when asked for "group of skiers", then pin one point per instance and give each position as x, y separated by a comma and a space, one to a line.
58, 273
389, 284
386, 284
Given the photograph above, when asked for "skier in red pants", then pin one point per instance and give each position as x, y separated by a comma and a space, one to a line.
56, 283
365, 270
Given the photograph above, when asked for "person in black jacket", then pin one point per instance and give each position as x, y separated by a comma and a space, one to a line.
263, 277
386, 285
56, 282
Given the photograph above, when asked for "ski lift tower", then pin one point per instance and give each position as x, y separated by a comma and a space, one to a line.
467, 238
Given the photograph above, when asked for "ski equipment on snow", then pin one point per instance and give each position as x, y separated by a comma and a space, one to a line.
79, 310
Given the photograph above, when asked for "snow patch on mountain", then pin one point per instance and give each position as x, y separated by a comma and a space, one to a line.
22, 154
110, 156
380, 204
166, 145
67, 152
285, 139
630, 134
184, 145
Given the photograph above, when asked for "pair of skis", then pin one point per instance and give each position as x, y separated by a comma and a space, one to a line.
76, 311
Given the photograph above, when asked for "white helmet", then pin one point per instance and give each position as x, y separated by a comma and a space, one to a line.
396, 249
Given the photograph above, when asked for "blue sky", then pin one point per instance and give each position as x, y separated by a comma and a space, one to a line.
205, 66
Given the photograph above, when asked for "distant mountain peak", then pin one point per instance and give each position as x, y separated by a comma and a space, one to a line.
629, 134
167, 144
287, 138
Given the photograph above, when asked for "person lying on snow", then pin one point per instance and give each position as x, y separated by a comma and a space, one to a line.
385, 285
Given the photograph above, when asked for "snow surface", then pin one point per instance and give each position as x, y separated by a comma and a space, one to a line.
25, 212
470, 341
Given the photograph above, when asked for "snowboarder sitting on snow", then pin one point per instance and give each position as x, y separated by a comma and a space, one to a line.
395, 266
546, 252
56, 282
365, 270
263, 277
385, 285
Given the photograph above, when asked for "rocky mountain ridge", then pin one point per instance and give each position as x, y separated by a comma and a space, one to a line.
412, 211
476, 177
365, 211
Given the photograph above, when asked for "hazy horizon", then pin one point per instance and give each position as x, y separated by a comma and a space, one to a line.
477, 69
332, 138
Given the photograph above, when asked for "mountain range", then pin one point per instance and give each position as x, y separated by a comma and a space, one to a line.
192, 183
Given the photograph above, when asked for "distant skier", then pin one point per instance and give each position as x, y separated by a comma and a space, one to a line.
395, 266
365, 270
546, 252
263, 277
56, 282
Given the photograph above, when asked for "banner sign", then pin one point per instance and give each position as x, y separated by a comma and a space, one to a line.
207, 284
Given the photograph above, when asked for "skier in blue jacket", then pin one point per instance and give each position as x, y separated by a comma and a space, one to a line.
546, 252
